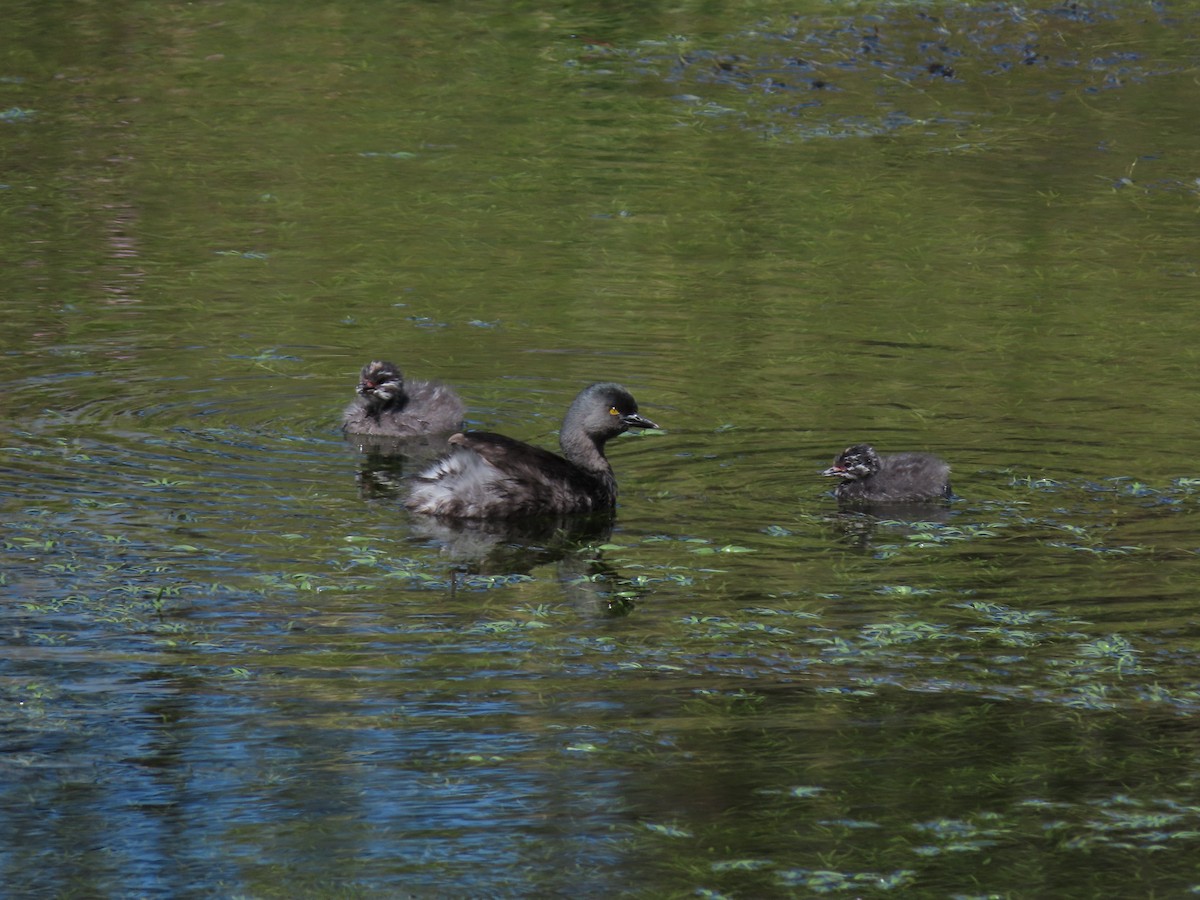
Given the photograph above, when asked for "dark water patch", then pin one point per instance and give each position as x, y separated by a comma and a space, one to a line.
909, 66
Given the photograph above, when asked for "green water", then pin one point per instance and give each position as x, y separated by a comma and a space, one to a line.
234, 667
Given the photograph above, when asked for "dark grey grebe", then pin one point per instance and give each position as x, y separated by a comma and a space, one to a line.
868, 477
387, 405
490, 476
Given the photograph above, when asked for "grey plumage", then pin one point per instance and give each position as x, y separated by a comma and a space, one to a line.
489, 475
868, 477
387, 405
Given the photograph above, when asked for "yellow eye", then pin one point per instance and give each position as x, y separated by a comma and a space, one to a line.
613, 411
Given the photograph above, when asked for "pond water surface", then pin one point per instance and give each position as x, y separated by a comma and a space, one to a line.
233, 666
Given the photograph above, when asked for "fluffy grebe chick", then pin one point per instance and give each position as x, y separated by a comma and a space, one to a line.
388, 405
868, 477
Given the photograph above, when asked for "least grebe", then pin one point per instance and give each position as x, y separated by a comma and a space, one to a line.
490, 476
868, 477
388, 405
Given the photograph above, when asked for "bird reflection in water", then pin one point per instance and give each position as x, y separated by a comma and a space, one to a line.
516, 547
384, 461
898, 521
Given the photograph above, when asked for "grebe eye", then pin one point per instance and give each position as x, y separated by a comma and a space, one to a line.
613, 411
